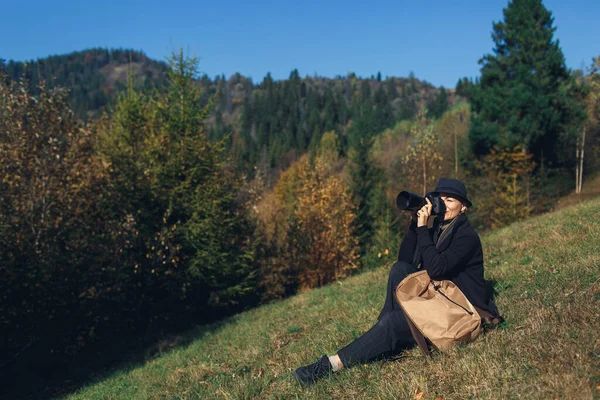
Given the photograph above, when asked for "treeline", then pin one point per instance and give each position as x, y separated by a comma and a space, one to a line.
269, 124
277, 121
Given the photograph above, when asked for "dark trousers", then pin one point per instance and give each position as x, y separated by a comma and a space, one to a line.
390, 334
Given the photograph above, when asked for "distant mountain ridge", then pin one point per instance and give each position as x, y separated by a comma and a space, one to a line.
92, 76
268, 123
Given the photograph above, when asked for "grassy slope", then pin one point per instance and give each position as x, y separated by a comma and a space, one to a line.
547, 271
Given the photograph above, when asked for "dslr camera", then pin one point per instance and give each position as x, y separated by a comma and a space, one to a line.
413, 202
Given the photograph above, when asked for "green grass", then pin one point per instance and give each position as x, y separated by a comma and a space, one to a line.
547, 274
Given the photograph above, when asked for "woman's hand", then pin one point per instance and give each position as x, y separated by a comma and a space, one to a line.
424, 213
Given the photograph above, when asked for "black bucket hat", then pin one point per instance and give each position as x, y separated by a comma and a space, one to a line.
454, 187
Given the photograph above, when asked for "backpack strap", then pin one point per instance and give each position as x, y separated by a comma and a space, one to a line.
418, 336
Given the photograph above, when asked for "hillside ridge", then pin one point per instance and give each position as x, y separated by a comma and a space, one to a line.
96, 75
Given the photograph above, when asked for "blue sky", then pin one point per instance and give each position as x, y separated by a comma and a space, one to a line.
439, 41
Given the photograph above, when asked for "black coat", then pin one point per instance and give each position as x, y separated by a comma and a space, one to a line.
458, 257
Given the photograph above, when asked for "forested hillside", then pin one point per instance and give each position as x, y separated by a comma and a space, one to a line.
93, 77
277, 121
269, 123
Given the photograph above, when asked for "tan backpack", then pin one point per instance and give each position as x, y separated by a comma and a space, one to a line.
440, 312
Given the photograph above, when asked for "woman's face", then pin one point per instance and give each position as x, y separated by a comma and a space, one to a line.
453, 206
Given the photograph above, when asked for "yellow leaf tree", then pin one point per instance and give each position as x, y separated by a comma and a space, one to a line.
325, 215
423, 158
453, 127
508, 172
308, 235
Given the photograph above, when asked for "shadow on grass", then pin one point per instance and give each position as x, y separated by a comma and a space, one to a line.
494, 288
28, 378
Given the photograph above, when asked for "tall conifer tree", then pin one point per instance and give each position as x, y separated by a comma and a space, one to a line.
525, 93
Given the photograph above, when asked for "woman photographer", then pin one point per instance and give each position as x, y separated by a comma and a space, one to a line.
451, 250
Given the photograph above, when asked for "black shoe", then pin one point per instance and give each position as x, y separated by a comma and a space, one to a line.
310, 374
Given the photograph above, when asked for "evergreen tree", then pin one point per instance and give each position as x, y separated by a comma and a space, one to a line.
385, 232
439, 105
364, 175
463, 88
384, 116
391, 88
525, 91
173, 182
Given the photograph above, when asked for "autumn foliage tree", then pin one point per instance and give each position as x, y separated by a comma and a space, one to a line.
279, 257
307, 226
423, 158
55, 243
453, 128
325, 215
507, 175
